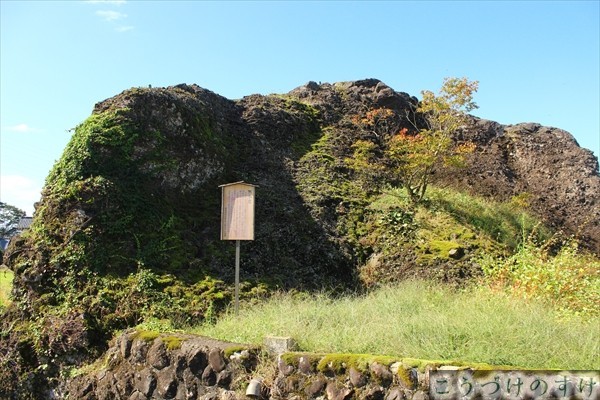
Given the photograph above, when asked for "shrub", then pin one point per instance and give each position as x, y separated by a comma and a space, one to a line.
569, 280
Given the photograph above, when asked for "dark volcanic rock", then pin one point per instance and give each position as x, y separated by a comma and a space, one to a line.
157, 355
546, 163
129, 218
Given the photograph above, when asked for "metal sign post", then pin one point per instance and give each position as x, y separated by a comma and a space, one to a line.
237, 221
237, 277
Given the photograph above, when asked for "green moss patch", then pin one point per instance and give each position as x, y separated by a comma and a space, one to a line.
229, 351
339, 363
172, 342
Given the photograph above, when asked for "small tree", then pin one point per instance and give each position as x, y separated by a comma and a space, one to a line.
408, 157
418, 154
9, 218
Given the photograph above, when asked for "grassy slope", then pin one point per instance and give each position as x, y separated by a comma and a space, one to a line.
6, 277
431, 321
421, 320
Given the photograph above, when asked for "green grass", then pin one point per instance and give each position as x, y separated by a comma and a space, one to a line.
506, 223
509, 222
6, 278
421, 320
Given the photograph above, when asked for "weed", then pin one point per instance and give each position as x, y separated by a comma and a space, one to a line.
569, 280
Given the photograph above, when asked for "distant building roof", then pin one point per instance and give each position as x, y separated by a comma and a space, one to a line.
24, 223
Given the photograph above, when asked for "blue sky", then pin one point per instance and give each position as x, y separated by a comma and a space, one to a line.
536, 61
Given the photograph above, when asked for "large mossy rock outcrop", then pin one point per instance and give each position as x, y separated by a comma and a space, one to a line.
128, 224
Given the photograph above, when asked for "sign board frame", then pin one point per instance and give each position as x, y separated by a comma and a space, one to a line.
237, 221
237, 211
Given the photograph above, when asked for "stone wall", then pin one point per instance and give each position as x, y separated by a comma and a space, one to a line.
344, 376
148, 365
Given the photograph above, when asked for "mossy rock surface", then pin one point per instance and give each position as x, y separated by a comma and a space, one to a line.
340, 363
127, 228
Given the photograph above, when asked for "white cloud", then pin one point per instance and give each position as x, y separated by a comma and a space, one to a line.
124, 28
113, 2
19, 191
21, 128
110, 15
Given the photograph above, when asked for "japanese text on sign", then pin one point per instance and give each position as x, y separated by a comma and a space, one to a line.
467, 384
237, 214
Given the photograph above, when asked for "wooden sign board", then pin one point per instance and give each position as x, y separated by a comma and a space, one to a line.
237, 211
